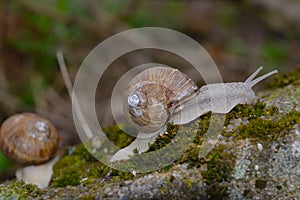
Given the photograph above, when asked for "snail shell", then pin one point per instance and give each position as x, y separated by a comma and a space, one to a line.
153, 94
28, 139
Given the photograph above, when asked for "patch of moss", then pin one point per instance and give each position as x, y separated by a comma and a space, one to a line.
285, 79
203, 124
69, 170
88, 197
217, 191
81, 152
162, 140
260, 183
188, 183
69, 177
200, 125
268, 129
117, 136
251, 111
220, 164
19, 190
79, 165
191, 156
160, 151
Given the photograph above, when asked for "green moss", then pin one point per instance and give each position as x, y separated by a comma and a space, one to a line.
168, 153
268, 129
188, 183
200, 125
260, 183
68, 171
285, 79
81, 152
220, 163
69, 177
18, 190
191, 156
88, 197
217, 191
250, 112
79, 165
203, 124
163, 140
117, 136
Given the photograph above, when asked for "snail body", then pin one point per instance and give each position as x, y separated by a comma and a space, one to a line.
162, 94
218, 98
28, 139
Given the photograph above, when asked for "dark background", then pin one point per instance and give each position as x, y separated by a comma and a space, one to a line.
239, 36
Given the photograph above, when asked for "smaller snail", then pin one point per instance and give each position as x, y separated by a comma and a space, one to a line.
28, 139
161, 94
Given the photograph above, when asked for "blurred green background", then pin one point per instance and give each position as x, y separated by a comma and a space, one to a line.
239, 36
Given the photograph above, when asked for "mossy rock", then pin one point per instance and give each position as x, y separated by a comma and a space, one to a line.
255, 156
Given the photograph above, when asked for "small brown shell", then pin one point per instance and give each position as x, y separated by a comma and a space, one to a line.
28, 139
152, 93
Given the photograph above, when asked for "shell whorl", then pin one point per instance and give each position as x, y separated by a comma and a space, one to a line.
153, 93
28, 139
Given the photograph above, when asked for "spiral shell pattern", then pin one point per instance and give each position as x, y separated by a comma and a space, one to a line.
28, 139
153, 93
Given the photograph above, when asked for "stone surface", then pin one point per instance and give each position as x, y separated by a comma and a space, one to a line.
249, 161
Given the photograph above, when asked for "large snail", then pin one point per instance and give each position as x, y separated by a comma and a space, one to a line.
162, 94
30, 141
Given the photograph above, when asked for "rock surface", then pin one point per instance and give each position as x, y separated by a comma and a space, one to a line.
257, 157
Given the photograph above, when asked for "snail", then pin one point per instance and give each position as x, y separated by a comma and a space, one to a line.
162, 94
31, 142
28, 139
